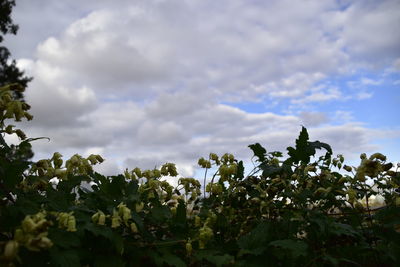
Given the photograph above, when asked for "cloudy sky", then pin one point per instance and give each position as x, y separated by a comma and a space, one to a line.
154, 81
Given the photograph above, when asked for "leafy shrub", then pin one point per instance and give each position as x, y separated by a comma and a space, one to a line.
298, 211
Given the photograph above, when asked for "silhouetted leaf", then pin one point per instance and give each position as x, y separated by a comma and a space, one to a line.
258, 151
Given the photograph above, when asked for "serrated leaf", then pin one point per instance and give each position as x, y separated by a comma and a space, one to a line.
259, 151
305, 149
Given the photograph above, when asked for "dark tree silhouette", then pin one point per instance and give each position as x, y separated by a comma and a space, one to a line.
9, 72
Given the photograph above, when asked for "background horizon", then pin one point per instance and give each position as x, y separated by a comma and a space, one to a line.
149, 82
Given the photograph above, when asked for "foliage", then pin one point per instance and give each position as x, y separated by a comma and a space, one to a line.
298, 211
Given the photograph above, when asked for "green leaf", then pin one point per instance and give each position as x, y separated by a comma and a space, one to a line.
171, 259
320, 145
180, 217
240, 171
269, 170
108, 260
215, 258
344, 229
64, 258
305, 149
256, 241
161, 213
258, 151
63, 239
296, 248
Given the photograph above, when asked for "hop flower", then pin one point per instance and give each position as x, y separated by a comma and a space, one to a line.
139, 207
347, 168
189, 248
10, 250
116, 220
71, 224
134, 228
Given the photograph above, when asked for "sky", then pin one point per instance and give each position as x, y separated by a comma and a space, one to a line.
153, 81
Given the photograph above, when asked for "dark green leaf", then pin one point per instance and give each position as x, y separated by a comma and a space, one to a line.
171, 259
62, 238
240, 171
258, 151
297, 248
256, 241
64, 258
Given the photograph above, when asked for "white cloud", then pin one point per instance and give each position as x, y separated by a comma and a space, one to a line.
343, 116
312, 119
142, 82
329, 94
